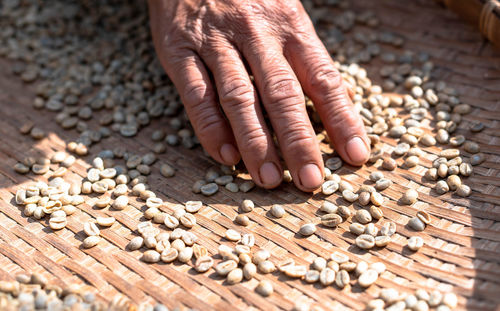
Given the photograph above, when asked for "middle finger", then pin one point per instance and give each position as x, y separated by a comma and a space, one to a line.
284, 101
239, 101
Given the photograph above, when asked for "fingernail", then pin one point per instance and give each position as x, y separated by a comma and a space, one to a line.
357, 150
269, 174
310, 176
229, 154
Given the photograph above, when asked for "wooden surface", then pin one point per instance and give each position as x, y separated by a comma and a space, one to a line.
462, 251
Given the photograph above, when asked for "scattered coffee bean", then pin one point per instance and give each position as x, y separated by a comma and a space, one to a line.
232, 235
327, 277
307, 229
416, 224
264, 288
57, 222
388, 228
329, 187
151, 256
349, 196
328, 207
203, 264
248, 240
463, 190
411, 161
409, 197
377, 199
357, 228
242, 220
365, 241
169, 255
331, 220
375, 176
367, 278
376, 212
235, 276
342, 279
209, 189
471, 147
427, 140
120, 202
339, 257
389, 164
333, 163
383, 184
187, 220
363, 216
442, 136
247, 206
224, 180
401, 149
364, 198
167, 170
415, 243
457, 141
476, 126
312, 276
247, 186
266, 267
449, 153
185, 255
135, 243
232, 187
91, 241
277, 211
196, 188
424, 217
90, 229
477, 159
225, 267
465, 169
382, 241
319, 263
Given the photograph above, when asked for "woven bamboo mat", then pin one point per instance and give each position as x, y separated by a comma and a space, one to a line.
462, 251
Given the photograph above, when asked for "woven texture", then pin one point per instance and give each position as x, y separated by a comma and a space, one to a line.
462, 251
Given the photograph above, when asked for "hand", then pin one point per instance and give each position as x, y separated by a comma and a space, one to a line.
209, 48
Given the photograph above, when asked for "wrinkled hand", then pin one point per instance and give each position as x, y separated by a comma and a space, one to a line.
275, 41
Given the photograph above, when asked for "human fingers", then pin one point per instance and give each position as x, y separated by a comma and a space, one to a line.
200, 101
323, 83
284, 101
240, 103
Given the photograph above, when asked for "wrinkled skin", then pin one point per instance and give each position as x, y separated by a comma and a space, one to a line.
209, 48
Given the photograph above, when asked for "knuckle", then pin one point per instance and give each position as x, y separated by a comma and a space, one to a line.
237, 94
283, 89
245, 14
250, 41
212, 44
207, 122
325, 79
340, 114
293, 15
301, 149
297, 138
196, 93
175, 40
252, 140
